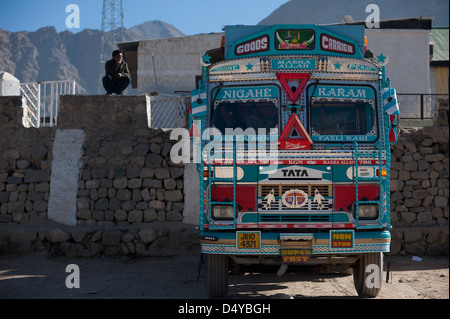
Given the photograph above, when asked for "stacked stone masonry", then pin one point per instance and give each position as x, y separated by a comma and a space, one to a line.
420, 188
126, 175
159, 239
130, 181
130, 196
25, 162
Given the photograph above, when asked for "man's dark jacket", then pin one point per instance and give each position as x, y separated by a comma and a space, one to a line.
111, 68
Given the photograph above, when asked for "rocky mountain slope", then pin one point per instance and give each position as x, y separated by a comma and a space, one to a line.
46, 55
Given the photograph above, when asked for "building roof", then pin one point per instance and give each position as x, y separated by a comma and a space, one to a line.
401, 23
5, 76
439, 39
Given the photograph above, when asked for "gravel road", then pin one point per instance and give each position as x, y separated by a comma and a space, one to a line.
39, 276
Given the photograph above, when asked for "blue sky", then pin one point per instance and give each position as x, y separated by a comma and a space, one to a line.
189, 16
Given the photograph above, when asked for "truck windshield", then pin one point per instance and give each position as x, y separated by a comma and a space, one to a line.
245, 115
342, 118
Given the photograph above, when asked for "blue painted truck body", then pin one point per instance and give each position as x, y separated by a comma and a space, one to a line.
294, 125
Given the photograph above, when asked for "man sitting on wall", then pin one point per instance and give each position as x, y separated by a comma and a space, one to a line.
117, 76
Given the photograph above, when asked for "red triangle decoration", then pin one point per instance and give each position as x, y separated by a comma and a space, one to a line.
302, 142
302, 79
392, 135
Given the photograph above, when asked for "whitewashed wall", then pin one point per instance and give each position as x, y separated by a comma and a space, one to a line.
409, 57
176, 60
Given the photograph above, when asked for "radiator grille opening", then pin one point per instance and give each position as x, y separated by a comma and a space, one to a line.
276, 204
295, 218
279, 190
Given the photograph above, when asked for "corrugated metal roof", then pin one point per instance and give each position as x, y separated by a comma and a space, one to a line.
439, 37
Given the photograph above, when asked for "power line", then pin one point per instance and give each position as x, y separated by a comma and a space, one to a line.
112, 32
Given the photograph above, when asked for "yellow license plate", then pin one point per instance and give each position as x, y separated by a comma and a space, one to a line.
342, 238
248, 240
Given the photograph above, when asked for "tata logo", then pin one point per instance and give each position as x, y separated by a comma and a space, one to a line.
294, 198
295, 173
256, 45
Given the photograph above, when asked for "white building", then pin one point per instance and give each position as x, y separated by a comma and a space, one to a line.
172, 65
9, 84
406, 44
169, 65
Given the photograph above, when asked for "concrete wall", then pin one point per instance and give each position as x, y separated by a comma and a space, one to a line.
176, 61
9, 84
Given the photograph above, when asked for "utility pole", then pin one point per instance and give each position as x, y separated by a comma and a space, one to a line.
112, 33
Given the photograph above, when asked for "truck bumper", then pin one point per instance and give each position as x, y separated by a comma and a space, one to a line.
337, 242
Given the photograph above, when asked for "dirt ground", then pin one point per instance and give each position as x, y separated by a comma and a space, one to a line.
39, 276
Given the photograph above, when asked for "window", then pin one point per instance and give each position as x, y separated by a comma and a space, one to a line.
245, 115
343, 118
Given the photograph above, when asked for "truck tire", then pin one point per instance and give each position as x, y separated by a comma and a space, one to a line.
216, 273
367, 280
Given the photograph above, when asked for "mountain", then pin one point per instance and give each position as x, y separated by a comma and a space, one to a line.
328, 12
46, 55
153, 30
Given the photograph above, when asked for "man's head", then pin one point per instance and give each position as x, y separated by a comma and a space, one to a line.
117, 55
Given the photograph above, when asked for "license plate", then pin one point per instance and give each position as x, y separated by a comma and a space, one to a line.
342, 238
248, 240
295, 255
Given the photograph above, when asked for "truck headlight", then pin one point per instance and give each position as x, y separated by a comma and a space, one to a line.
222, 212
368, 211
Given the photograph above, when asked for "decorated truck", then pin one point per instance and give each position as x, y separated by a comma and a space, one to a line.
291, 127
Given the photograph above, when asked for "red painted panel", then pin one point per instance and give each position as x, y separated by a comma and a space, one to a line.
345, 195
302, 79
303, 142
246, 195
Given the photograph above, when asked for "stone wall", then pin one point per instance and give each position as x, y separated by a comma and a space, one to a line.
25, 163
420, 188
108, 181
157, 239
126, 175
127, 196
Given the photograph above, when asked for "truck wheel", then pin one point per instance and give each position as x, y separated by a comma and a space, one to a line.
367, 274
216, 274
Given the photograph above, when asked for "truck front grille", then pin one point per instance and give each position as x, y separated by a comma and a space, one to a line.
311, 218
326, 190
